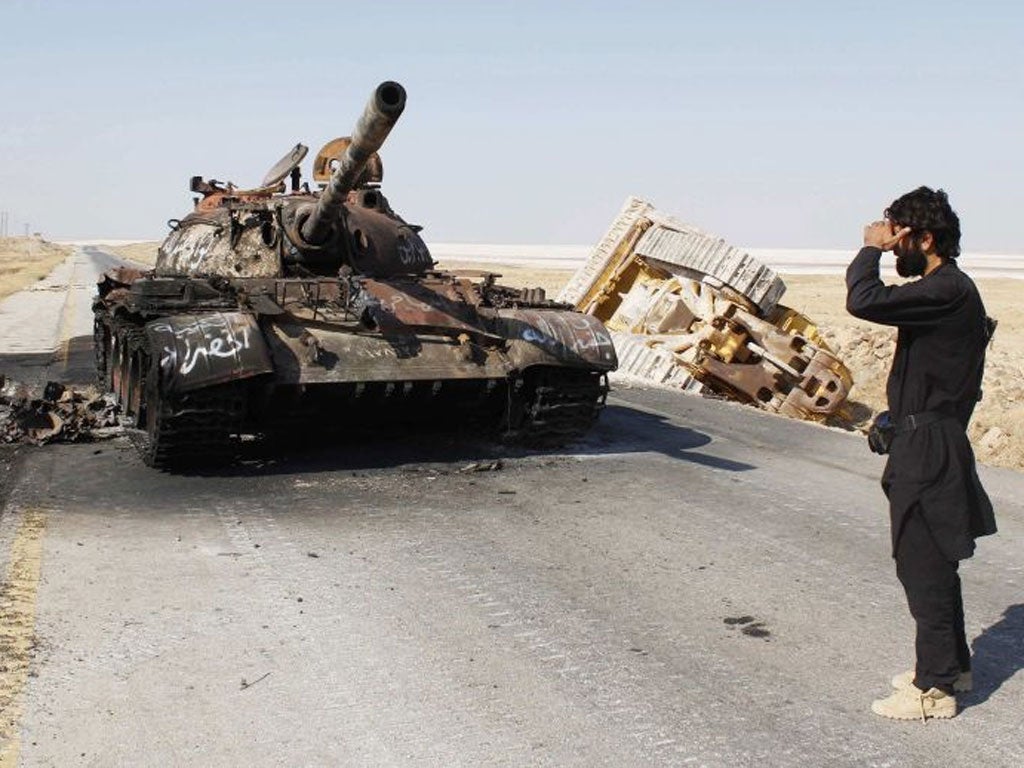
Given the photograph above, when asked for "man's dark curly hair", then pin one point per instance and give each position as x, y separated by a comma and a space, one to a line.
927, 209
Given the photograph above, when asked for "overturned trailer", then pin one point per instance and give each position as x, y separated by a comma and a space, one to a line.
688, 310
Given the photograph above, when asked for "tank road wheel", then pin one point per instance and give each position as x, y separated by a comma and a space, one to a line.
126, 368
115, 366
124, 374
133, 405
101, 351
549, 407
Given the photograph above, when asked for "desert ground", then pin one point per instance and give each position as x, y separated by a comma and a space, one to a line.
997, 430
23, 260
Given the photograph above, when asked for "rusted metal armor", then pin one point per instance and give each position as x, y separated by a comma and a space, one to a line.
280, 306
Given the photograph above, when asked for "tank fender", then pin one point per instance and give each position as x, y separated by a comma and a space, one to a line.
195, 351
556, 337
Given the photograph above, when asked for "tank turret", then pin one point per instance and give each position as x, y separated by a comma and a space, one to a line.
271, 231
315, 223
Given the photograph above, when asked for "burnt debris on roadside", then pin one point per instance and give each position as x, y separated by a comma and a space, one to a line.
55, 413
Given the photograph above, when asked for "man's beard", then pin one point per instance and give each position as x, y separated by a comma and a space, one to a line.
910, 262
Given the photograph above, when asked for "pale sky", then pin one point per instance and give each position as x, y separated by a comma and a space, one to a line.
773, 124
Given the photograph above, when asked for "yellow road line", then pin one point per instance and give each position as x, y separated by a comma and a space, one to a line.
17, 627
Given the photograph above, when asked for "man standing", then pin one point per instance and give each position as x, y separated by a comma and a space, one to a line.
937, 506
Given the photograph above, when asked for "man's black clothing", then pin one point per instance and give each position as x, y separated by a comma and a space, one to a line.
937, 506
933, 592
937, 367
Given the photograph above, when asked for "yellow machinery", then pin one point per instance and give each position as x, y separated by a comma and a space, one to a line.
689, 310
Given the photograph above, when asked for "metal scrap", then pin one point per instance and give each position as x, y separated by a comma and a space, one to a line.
57, 413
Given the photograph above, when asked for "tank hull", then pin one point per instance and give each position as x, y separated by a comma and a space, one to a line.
202, 362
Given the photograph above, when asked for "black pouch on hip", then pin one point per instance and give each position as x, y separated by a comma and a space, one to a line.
881, 432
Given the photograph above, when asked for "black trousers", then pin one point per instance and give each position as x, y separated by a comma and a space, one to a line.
933, 592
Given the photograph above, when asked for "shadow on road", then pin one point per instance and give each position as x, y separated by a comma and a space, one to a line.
73, 364
998, 655
629, 430
620, 429
33, 368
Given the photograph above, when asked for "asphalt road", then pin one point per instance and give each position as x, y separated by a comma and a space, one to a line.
696, 583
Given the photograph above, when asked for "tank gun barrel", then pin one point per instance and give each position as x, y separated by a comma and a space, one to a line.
379, 117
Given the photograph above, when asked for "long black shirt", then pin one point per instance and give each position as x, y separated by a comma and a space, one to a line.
938, 366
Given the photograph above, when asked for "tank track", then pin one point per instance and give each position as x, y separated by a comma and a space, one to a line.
681, 249
191, 430
689, 251
552, 407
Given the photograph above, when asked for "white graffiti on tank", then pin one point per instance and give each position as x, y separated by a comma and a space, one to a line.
412, 252
571, 333
206, 339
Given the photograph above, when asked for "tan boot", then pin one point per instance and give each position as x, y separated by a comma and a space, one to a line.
963, 684
913, 704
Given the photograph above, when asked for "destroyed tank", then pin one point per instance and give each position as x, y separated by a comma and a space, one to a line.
279, 309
